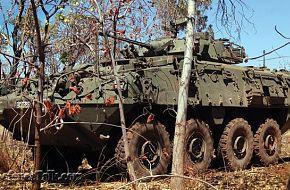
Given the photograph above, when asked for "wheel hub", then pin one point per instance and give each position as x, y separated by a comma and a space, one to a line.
196, 149
240, 146
270, 144
149, 154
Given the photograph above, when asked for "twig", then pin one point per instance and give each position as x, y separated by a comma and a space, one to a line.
281, 33
284, 45
18, 58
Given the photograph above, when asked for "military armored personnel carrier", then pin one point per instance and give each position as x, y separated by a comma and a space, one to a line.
234, 112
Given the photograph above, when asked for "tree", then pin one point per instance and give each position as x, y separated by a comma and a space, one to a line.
40, 47
15, 33
40, 69
22, 33
130, 166
179, 135
196, 19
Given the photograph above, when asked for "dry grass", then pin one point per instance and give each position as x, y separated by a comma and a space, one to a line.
285, 152
272, 177
15, 155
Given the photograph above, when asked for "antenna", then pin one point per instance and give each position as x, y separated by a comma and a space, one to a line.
264, 60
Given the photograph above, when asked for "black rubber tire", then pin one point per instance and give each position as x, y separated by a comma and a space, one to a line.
200, 160
262, 153
155, 133
235, 160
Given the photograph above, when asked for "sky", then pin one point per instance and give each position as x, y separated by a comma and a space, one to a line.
262, 35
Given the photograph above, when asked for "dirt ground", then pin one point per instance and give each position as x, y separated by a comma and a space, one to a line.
272, 177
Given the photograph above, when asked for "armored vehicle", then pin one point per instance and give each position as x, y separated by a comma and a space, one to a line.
237, 113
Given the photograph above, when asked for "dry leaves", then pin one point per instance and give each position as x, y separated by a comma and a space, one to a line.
150, 118
72, 109
110, 101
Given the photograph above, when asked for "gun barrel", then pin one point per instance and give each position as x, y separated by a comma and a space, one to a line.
127, 40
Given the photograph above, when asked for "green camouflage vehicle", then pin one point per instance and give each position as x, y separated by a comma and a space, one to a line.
235, 112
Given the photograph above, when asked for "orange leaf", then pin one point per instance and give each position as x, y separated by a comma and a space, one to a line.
75, 89
74, 109
67, 105
77, 109
71, 110
144, 157
95, 29
116, 11
71, 77
47, 104
25, 81
150, 118
110, 12
61, 113
88, 97
110, 101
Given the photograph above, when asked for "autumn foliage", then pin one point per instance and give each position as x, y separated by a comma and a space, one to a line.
150, 118
72, 109
110, 101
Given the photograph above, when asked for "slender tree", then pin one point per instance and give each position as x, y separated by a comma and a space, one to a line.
179, 135
40, 47
130, 166
37, 150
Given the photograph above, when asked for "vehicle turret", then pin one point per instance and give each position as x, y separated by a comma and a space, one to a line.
206, 47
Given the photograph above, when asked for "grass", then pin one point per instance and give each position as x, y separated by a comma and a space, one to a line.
271, 177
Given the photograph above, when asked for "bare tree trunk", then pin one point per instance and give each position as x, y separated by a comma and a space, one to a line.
179, 135
37, 152
130, 166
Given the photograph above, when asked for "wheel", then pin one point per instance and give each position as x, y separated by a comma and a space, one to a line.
199, 147
150, 149
236, 144
267, 142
